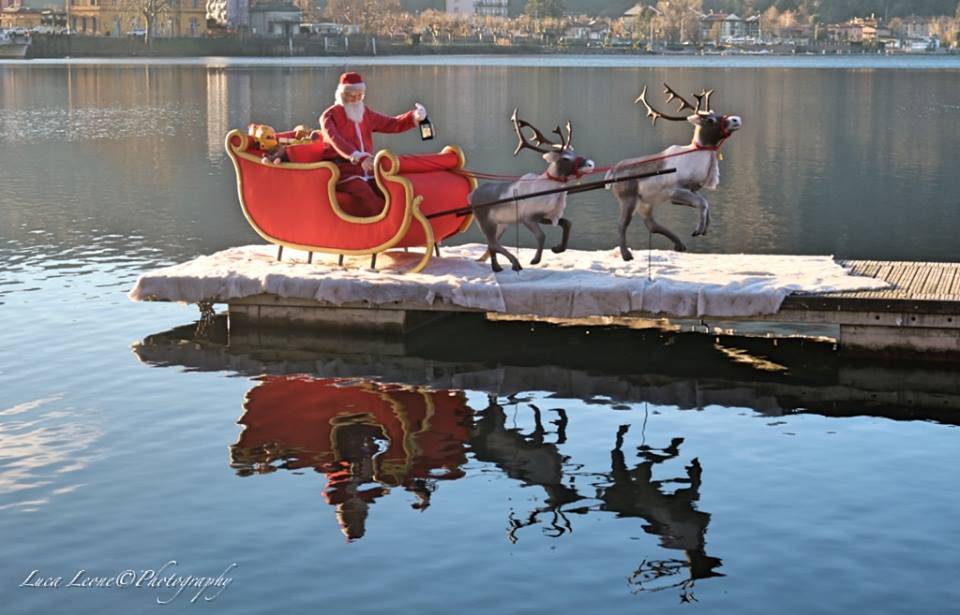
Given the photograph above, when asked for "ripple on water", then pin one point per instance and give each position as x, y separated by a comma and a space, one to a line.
80, 124
42, 448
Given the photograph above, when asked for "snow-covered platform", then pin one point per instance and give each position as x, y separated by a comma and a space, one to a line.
858, 295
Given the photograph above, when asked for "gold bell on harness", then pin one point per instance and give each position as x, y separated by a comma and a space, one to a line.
426, 129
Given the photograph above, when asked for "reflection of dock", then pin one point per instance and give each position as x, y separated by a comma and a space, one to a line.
598, 365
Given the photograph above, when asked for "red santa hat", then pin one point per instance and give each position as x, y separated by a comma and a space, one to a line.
350, 81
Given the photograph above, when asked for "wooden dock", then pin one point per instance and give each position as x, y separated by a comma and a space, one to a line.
917, 317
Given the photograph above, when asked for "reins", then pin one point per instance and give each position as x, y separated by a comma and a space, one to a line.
463, 211
501, 177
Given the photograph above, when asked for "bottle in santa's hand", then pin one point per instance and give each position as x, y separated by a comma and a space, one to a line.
426, 129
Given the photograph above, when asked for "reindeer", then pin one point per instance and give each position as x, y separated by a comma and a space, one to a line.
562, 164
696, 164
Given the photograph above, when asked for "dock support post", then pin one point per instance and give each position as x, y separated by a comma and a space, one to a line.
280, 253
436, 249
340, 260
309, 257
373, 261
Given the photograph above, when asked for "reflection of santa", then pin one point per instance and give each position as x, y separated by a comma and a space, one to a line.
348, 127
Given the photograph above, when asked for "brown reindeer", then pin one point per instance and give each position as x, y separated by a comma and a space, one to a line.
563, 164
697, 166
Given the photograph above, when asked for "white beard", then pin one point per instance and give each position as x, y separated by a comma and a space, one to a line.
354, 111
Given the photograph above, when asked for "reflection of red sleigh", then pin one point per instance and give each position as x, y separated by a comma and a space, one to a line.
300, 422
295, 205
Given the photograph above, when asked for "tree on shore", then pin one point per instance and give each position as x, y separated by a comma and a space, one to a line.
540, 9
370, 15
153, 12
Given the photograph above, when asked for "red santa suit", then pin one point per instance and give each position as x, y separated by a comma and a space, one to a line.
353, 141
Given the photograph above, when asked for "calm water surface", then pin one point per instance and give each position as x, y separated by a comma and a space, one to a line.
480, 467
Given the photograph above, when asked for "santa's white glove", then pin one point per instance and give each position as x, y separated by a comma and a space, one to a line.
357, 156
419, 112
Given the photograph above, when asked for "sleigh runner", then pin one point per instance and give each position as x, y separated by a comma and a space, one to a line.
296, 205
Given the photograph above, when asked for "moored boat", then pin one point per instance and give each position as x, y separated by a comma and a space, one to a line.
13, 45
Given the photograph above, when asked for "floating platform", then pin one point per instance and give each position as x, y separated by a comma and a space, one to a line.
889, 309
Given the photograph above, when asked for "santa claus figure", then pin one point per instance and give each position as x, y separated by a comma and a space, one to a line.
348, 127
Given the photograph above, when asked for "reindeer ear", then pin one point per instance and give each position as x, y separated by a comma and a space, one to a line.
551, 156
696, 119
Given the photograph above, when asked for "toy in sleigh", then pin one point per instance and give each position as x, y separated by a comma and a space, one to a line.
295, 204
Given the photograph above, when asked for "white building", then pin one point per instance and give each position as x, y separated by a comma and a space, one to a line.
229, 13
276, 18
464, 8
492, 8
469, 8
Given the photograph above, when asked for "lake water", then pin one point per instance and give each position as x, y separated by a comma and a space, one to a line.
480, 466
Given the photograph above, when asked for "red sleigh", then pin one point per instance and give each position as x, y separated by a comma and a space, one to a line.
295, 205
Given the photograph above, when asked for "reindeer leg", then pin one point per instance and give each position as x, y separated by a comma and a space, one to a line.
514, 263
654, 227
626, 214
565, 225
491, 231
534, 228
628, 196
689, 198
500, 228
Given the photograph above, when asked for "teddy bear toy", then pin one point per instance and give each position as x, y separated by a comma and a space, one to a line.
274, 144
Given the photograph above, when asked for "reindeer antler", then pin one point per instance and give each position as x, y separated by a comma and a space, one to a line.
672, 94
565, 141
656, 115
519, 125
703, 101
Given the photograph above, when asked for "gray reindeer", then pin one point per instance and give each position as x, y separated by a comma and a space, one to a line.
696, 164
562, 165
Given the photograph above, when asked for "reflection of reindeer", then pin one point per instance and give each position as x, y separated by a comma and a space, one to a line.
672, 516
527, 458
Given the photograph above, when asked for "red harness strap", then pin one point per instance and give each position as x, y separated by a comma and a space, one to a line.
576, 164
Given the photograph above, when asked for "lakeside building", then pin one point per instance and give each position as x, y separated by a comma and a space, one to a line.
231, 14
482, 8
185, 18
33, 15
275, 19
724, 27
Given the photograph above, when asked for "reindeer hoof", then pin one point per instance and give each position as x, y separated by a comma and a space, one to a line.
517, 267
558, 249
496, 268
680, 247
626, 255
535, 261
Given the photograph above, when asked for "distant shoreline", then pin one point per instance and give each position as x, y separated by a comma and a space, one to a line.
61, 47
949, 62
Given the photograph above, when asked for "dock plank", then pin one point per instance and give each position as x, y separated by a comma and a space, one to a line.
932, 282
916, 287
